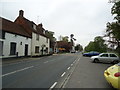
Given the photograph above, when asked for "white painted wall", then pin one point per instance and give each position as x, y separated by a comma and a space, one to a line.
43, 41
40, 42
19, 48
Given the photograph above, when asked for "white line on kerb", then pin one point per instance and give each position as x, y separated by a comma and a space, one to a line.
63, 74
68, 68
17, 71
53, 86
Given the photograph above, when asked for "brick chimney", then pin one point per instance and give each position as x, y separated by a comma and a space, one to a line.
40, 25
21, 13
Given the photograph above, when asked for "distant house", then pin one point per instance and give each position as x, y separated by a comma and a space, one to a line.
14, 40
63, 46
40, 43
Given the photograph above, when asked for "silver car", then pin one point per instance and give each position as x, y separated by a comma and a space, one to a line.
106, 57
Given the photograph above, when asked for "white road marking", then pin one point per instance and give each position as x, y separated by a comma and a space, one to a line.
49, 61
71, 64
68, 68
74, 61
17, 71
46, 62
53, 86
63, 74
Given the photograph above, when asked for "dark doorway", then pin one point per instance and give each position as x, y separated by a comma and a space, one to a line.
1, 48
26, 49
12, 48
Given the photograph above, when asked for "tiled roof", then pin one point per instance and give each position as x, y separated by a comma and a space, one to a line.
63, 43
28, 26
12, 27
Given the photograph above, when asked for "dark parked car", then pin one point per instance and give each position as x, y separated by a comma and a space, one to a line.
92, 53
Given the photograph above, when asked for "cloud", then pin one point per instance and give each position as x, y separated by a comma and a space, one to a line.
84, 18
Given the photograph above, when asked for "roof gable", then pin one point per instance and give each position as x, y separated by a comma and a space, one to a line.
29, 26
12, 27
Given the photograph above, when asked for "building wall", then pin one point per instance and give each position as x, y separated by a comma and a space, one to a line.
45, 42
34, 43
40, 42
19, 48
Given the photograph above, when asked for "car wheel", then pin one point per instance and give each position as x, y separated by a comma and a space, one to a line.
96, 60
115, 62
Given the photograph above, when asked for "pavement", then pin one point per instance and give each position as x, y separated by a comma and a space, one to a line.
88, 75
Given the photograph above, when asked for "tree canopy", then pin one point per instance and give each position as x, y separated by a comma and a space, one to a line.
113, 28
78, 47
97, 45
65, 38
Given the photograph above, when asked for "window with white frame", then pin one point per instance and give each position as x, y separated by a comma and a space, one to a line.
36, 49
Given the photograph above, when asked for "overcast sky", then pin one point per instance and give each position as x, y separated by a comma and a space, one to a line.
86, 19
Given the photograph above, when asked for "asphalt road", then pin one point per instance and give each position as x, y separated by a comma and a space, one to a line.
53, 71
43, 72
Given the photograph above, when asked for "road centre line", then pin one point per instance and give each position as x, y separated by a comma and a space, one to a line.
74, 61
17, 71
53, 86
68, 68
63, 74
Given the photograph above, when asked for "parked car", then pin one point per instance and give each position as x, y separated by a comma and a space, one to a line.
112, 74
92, 53
106, 57
73, 51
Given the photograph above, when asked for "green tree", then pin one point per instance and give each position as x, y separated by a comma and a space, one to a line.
97, 45
50, 34
90, 47
65, 38
78, 47
72, 39
113, 28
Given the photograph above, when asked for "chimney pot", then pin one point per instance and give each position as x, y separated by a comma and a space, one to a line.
21, 13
